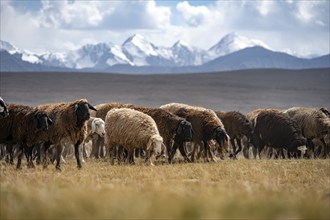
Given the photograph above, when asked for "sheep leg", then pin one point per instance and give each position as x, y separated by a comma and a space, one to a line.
282, 153
183, 152
131, 157
137, 152
19, 157
59, 149
96, 147
173, 151
10, 154
37, 148
45, 159
239, 146
211, 155
324, 147
310, 149
148, 160
101, 149
269, 152
76, 153
206, 148
111, 149
199, 151
232, 141
28, 153
246, 150
193, 152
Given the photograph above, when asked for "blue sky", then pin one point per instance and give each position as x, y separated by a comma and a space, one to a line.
301, 27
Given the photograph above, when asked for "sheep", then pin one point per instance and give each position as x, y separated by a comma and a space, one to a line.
202, 119
70, 125
95, 129
277, 130
129, 129
314, 123
3, 109
237, 126
169, 125
206, 126
251, 116
25, 126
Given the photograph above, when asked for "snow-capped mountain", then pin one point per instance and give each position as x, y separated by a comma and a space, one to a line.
137, 54
97, 56
185, 55
231, 43
19, 53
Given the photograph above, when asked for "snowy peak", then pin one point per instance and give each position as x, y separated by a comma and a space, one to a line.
137, 49
231, 43
180, 44
19, 53
4, 45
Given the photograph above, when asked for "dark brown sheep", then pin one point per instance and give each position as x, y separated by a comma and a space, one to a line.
169, 125
237, 126
277, 130
25, 126
314, 123
206, 126
69, 125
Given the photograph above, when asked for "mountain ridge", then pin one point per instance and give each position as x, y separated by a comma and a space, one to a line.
137, 54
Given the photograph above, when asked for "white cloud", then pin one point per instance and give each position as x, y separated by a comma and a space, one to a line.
103, 15
193, 15
62, 25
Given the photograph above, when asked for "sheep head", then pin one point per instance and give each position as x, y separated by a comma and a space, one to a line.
220, 136
3, 109
98, 127
42, 121
184, 130
81, 108
156, 145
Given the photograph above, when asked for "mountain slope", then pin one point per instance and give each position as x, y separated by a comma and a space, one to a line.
231, 43
259, 57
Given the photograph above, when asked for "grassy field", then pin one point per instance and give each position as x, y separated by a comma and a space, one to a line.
250, 189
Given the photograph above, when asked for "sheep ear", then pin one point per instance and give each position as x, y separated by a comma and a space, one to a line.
93, 127
179, 130
325, 111
49, 121
91, 107
149, 144
76, 107
36, 122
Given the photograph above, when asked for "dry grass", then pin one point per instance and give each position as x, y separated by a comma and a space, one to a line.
250, 189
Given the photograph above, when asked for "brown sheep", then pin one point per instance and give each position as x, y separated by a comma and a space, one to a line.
70, 125
314, 123
206, 126
25, 126
251, 116
129, 129
237, 126
169, 125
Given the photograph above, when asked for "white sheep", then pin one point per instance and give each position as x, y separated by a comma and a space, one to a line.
132, 129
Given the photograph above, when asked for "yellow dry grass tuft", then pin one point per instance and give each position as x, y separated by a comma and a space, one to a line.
250, 189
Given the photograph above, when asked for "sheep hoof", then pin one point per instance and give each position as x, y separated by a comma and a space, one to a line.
18, 168
187, 160
79, 167
58, 169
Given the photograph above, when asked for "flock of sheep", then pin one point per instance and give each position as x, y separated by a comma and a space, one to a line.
126, 131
